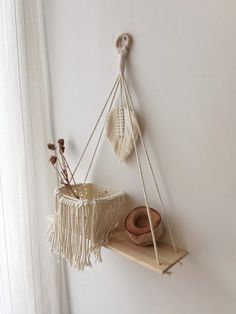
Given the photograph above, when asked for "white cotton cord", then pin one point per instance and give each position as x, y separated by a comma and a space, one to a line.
123, 53
121, 94
143, 187
94, 129
92, 226
151, 169
101, 133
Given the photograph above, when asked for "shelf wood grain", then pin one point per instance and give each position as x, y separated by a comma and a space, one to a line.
145, 256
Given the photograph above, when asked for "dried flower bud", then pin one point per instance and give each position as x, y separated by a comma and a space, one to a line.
51, 146
61, 142
53, 160
62, 149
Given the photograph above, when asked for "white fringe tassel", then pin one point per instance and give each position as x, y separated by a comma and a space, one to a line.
79, 228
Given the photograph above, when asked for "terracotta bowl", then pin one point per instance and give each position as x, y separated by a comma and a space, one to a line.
138, 228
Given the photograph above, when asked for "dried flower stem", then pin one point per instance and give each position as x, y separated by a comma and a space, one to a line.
60, 163
64, 166
67, 184
62, 159
65, 174
68, 167
58, 172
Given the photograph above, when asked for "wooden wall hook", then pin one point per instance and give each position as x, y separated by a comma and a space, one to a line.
124, 40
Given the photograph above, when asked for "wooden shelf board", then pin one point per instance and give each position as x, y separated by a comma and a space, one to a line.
145, 256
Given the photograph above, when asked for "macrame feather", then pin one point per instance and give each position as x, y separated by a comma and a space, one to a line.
118, 131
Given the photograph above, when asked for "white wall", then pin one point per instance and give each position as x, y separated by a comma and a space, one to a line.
182, 69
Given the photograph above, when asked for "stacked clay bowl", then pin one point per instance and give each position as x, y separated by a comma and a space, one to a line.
138, 228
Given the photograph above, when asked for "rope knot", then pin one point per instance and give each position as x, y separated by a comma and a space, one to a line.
123, 44
123, 53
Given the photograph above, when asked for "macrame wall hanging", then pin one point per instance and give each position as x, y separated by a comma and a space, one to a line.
86, 214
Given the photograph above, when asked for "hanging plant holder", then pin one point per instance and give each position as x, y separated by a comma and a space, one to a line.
81, 226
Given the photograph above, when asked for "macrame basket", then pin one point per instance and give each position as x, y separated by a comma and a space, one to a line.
80, 227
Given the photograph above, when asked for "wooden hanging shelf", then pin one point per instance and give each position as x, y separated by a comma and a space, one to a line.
145, 256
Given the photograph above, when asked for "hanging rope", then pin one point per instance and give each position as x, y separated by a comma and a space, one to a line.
130, 102
143, 185
95, 127
101, 133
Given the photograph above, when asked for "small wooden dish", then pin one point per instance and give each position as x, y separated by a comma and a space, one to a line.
138, 228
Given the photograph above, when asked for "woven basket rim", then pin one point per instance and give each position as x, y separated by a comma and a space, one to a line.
115, 193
